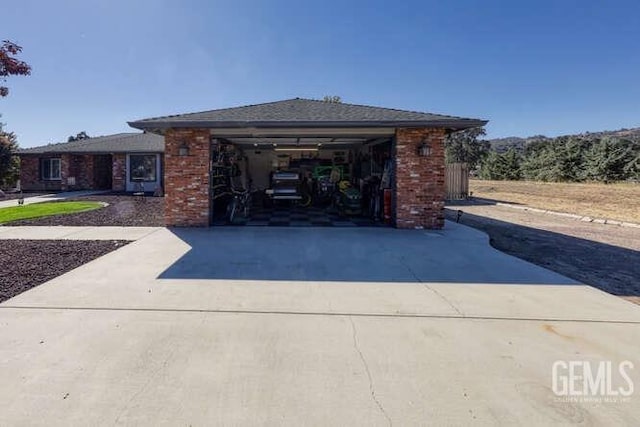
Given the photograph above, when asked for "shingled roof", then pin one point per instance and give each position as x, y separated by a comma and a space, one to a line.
118, 143
300, 112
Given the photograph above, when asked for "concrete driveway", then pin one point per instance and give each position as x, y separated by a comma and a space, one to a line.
309, 327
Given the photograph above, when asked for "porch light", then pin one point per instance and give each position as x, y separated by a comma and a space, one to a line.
183, 150
424, 149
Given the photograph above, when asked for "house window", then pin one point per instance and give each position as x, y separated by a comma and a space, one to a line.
50, 169
142, 167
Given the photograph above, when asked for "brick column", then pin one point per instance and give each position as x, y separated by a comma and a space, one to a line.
186, 178
118, 172
65, 171
420, 189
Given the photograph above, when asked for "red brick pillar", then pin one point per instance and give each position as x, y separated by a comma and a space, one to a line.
118, 172
65, 171
186, 178
420, 190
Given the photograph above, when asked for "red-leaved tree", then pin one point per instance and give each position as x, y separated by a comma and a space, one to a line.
10, 65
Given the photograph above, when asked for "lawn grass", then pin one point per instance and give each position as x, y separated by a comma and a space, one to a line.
38, 210
611, 201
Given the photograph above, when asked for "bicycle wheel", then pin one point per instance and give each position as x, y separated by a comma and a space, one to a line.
232, 207
247, 206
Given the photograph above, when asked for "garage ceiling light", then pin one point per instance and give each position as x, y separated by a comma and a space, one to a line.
296, 149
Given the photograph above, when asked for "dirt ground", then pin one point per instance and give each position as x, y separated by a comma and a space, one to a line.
604, 256
608, 201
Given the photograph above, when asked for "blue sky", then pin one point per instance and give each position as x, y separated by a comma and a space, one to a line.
543, 67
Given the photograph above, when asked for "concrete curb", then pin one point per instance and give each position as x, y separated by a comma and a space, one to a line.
572, 216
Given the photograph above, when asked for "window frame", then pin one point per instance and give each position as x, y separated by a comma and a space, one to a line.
50, 161
132, 177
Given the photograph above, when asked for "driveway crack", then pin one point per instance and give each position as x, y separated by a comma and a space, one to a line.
442, 297
366, 368
445, 299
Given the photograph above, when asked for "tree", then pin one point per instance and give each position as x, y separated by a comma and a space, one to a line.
601, 156
80, 136
9, 162
334, 99
610, 159
538, 157
464, 147
558, 160
632, 168
11, 66
502, 166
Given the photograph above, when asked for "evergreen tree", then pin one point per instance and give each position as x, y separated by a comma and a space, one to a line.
465, 147
608, 160
502, 166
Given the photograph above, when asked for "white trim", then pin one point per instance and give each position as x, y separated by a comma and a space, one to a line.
50, 160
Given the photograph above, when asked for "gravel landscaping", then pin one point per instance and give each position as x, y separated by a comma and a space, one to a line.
28, 263
123, 210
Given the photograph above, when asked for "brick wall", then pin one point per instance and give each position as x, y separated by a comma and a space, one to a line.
65, 170
420, 188
29, 173
119, 172
186, 178
80, 167
30, 176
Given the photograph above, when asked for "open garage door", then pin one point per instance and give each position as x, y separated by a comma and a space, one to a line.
310, 178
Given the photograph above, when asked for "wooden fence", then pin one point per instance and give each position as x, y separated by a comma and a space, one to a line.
457, 181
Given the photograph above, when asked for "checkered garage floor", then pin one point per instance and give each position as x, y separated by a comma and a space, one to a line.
296, 216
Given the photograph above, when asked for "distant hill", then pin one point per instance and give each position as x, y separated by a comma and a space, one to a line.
504, 144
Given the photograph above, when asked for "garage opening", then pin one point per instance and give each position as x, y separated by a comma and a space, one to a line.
303, 180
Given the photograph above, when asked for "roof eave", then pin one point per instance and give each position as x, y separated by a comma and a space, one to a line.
81, 153
455, 124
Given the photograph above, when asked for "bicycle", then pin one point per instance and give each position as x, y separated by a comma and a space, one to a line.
240, 202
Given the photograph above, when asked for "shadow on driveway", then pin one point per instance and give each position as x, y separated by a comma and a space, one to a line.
457, 254
610, 268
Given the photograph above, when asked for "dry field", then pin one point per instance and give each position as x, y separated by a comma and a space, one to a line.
611, 201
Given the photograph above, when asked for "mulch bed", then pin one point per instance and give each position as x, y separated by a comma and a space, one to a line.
123, 210
25, 264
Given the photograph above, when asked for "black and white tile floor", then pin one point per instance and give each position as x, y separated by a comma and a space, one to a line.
301, 217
